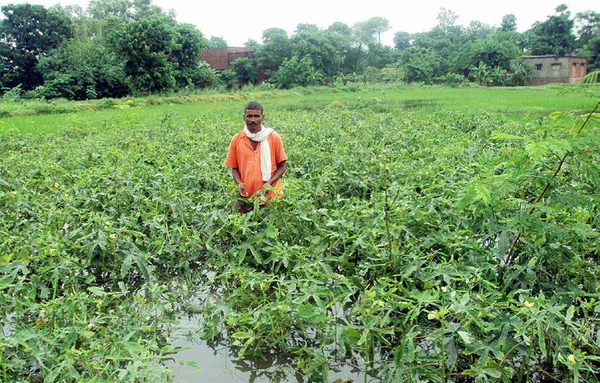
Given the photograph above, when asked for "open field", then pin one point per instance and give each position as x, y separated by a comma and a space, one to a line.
515, 103
391, 251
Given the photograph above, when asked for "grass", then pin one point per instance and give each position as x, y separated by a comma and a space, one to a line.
521, 104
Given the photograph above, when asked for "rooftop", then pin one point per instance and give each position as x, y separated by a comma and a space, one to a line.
552, 56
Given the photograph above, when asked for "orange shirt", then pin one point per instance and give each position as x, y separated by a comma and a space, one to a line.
247, 161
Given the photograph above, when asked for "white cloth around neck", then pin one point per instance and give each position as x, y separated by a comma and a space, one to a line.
265, 150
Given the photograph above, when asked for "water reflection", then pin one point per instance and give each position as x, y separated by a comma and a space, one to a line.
219, 363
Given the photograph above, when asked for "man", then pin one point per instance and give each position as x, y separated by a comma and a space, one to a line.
256, 156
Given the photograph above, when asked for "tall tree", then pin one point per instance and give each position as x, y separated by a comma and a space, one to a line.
588, 37
320, 47
310, 28
82, 69
26, 33
553, 36
245, 69
509, 23
402, 40
217, 42
189, 43
369, 32
588, 26
445, 41
119, 9
275, 49
251, 43
340, 28
367, 37
340, 35
127, 10
146, 46
144, 9
378, 25
447, 20
478, 31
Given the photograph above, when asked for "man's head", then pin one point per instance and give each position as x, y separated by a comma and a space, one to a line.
253, 116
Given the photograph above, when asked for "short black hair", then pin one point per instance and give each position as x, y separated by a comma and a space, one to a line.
254, 105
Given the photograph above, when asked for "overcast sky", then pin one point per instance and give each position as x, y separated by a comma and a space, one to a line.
237, 21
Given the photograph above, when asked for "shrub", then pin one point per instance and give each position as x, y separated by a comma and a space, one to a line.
453, 79
13, 94
297, 72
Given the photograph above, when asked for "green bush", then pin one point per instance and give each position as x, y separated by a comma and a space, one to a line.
453, 79
297, 72
13, 94
81, 70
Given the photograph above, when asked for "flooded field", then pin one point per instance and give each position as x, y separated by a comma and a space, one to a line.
417, 240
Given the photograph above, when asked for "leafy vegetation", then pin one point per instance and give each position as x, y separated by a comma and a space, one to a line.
390, 246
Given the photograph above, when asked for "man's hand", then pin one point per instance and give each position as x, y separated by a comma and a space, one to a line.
264, 190
242, 190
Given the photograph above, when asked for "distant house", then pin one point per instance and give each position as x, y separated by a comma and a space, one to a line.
221, 58
552, 69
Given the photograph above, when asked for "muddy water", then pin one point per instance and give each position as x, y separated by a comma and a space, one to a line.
218, 363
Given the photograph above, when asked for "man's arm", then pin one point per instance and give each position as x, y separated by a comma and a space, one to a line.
238, 179
277, 175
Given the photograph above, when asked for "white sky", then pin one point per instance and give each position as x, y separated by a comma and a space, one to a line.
237, 21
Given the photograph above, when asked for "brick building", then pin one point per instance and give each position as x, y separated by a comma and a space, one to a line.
221, 58
552, 69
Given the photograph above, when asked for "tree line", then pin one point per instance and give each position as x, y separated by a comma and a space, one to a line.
120, 47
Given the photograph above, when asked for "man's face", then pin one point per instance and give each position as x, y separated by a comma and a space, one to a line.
254, 119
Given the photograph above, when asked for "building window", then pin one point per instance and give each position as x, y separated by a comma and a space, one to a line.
538, 66
574, 64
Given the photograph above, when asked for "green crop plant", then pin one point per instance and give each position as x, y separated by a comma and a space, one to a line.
388, 251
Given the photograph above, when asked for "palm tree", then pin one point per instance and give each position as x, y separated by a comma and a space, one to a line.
481, 73
499, 76
522, 73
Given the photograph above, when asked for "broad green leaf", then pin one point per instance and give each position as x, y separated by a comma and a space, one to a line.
243, 335
493, 373
350, 336
191, 363
541, 338
126, 265
570, 313
271, 231
141, 263
97, 291
466, 337
451, 353
306, 311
